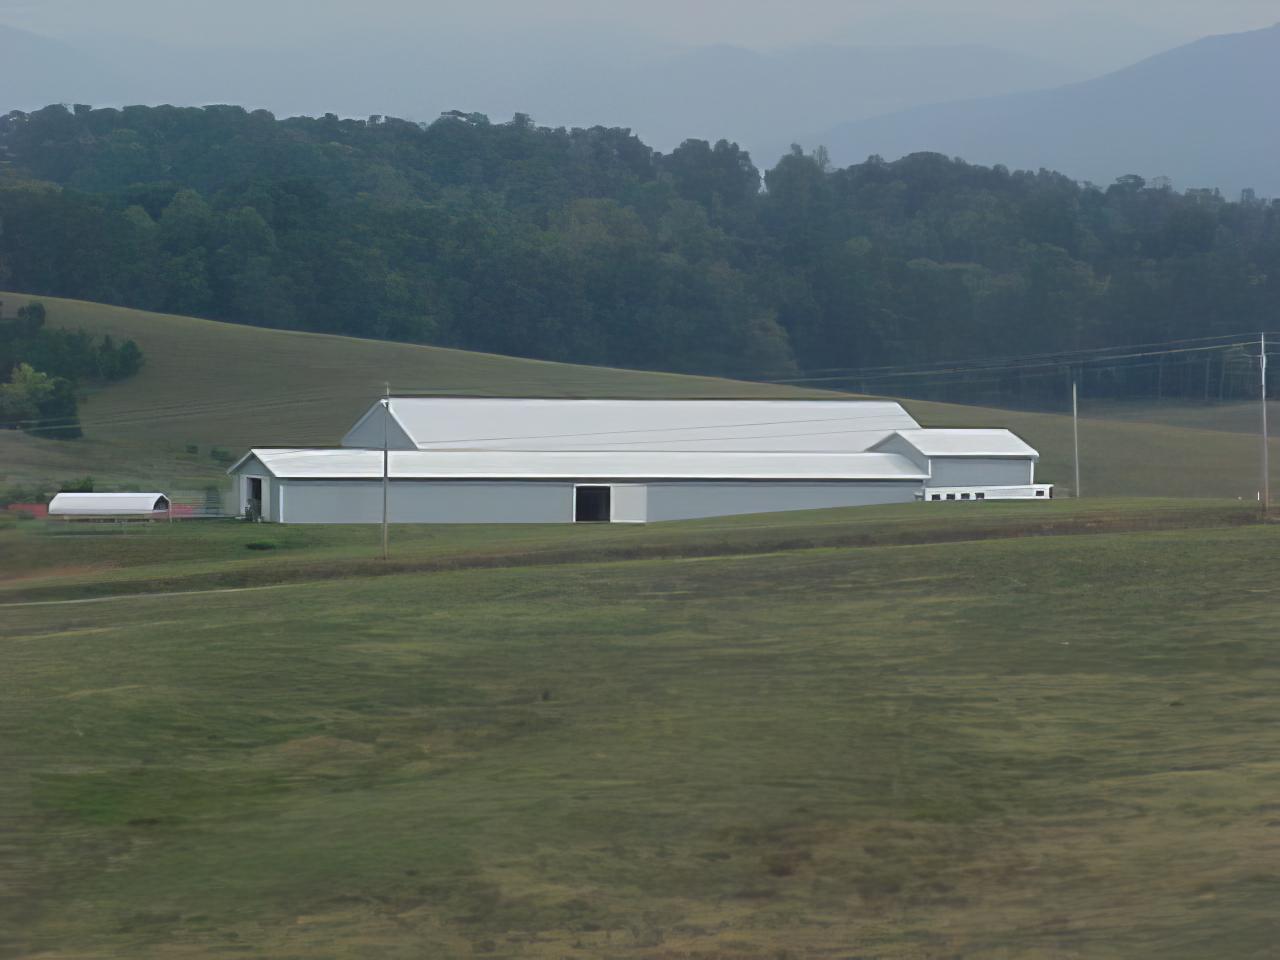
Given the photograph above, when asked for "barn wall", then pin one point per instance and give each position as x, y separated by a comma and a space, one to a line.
422, 501
689, 500
980, 471
253, 468
896, 444
367, 433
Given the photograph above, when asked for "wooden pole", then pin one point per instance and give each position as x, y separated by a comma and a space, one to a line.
1266, 448
386, 473
1075, 431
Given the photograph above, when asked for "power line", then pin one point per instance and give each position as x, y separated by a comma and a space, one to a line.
1047, 364
1063, 355
984, 367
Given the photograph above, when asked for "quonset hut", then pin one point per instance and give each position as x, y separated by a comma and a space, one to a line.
500, 460
110, 506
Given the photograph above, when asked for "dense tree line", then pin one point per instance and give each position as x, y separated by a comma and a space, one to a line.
586, 245
41, 367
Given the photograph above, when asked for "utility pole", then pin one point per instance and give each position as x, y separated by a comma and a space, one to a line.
1075, 431
1266, 450
386, 473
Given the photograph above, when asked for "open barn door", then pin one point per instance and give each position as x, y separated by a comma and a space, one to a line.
592, 503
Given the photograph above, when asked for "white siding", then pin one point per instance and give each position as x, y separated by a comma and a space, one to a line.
368, 431
420, 501
424, 501
630, 502
687, 501
979, 472
904, 448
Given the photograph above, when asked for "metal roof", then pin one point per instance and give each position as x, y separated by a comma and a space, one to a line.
107, 504
288, 463
968, 443
695, 425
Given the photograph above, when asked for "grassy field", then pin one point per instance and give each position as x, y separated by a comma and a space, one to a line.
757, 743
216, 385
54, 561
213, 384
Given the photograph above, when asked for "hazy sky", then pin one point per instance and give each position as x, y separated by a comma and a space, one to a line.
1077, 32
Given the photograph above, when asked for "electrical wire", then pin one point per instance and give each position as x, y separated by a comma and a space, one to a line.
1048, 364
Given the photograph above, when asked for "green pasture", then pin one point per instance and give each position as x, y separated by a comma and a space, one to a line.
44, 560
1024, 746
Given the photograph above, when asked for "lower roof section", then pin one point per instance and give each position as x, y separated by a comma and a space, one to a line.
355, 464
954, 442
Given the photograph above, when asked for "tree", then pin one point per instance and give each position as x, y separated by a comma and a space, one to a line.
21, 397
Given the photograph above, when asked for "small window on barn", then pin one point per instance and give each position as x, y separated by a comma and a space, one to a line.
951, 496
980, 496
1039, 493
964, 496
937, 496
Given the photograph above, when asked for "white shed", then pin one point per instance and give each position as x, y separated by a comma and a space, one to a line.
109, 505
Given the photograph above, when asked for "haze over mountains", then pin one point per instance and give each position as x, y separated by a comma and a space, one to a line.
665, 93
1204, 114
1201, 114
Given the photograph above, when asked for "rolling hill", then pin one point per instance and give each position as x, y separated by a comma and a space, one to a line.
217, 385
1202, 114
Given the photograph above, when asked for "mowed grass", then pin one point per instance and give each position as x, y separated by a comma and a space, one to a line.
1041, 747
222, 385
53, 560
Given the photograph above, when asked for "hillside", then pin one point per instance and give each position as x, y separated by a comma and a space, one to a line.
1201, 114
212, 384
587, 246
224, 385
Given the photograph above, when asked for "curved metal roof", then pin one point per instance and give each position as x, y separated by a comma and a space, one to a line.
107, 504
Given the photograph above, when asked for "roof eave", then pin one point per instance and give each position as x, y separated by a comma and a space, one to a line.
252, 455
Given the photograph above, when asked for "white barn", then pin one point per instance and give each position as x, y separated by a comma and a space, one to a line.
500, 460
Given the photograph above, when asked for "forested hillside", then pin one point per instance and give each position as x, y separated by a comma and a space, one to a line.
586, 245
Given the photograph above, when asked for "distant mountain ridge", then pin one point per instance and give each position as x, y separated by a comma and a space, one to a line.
1203, 114
761, 100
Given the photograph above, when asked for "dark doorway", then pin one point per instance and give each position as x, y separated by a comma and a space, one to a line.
253, 505
591, 504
